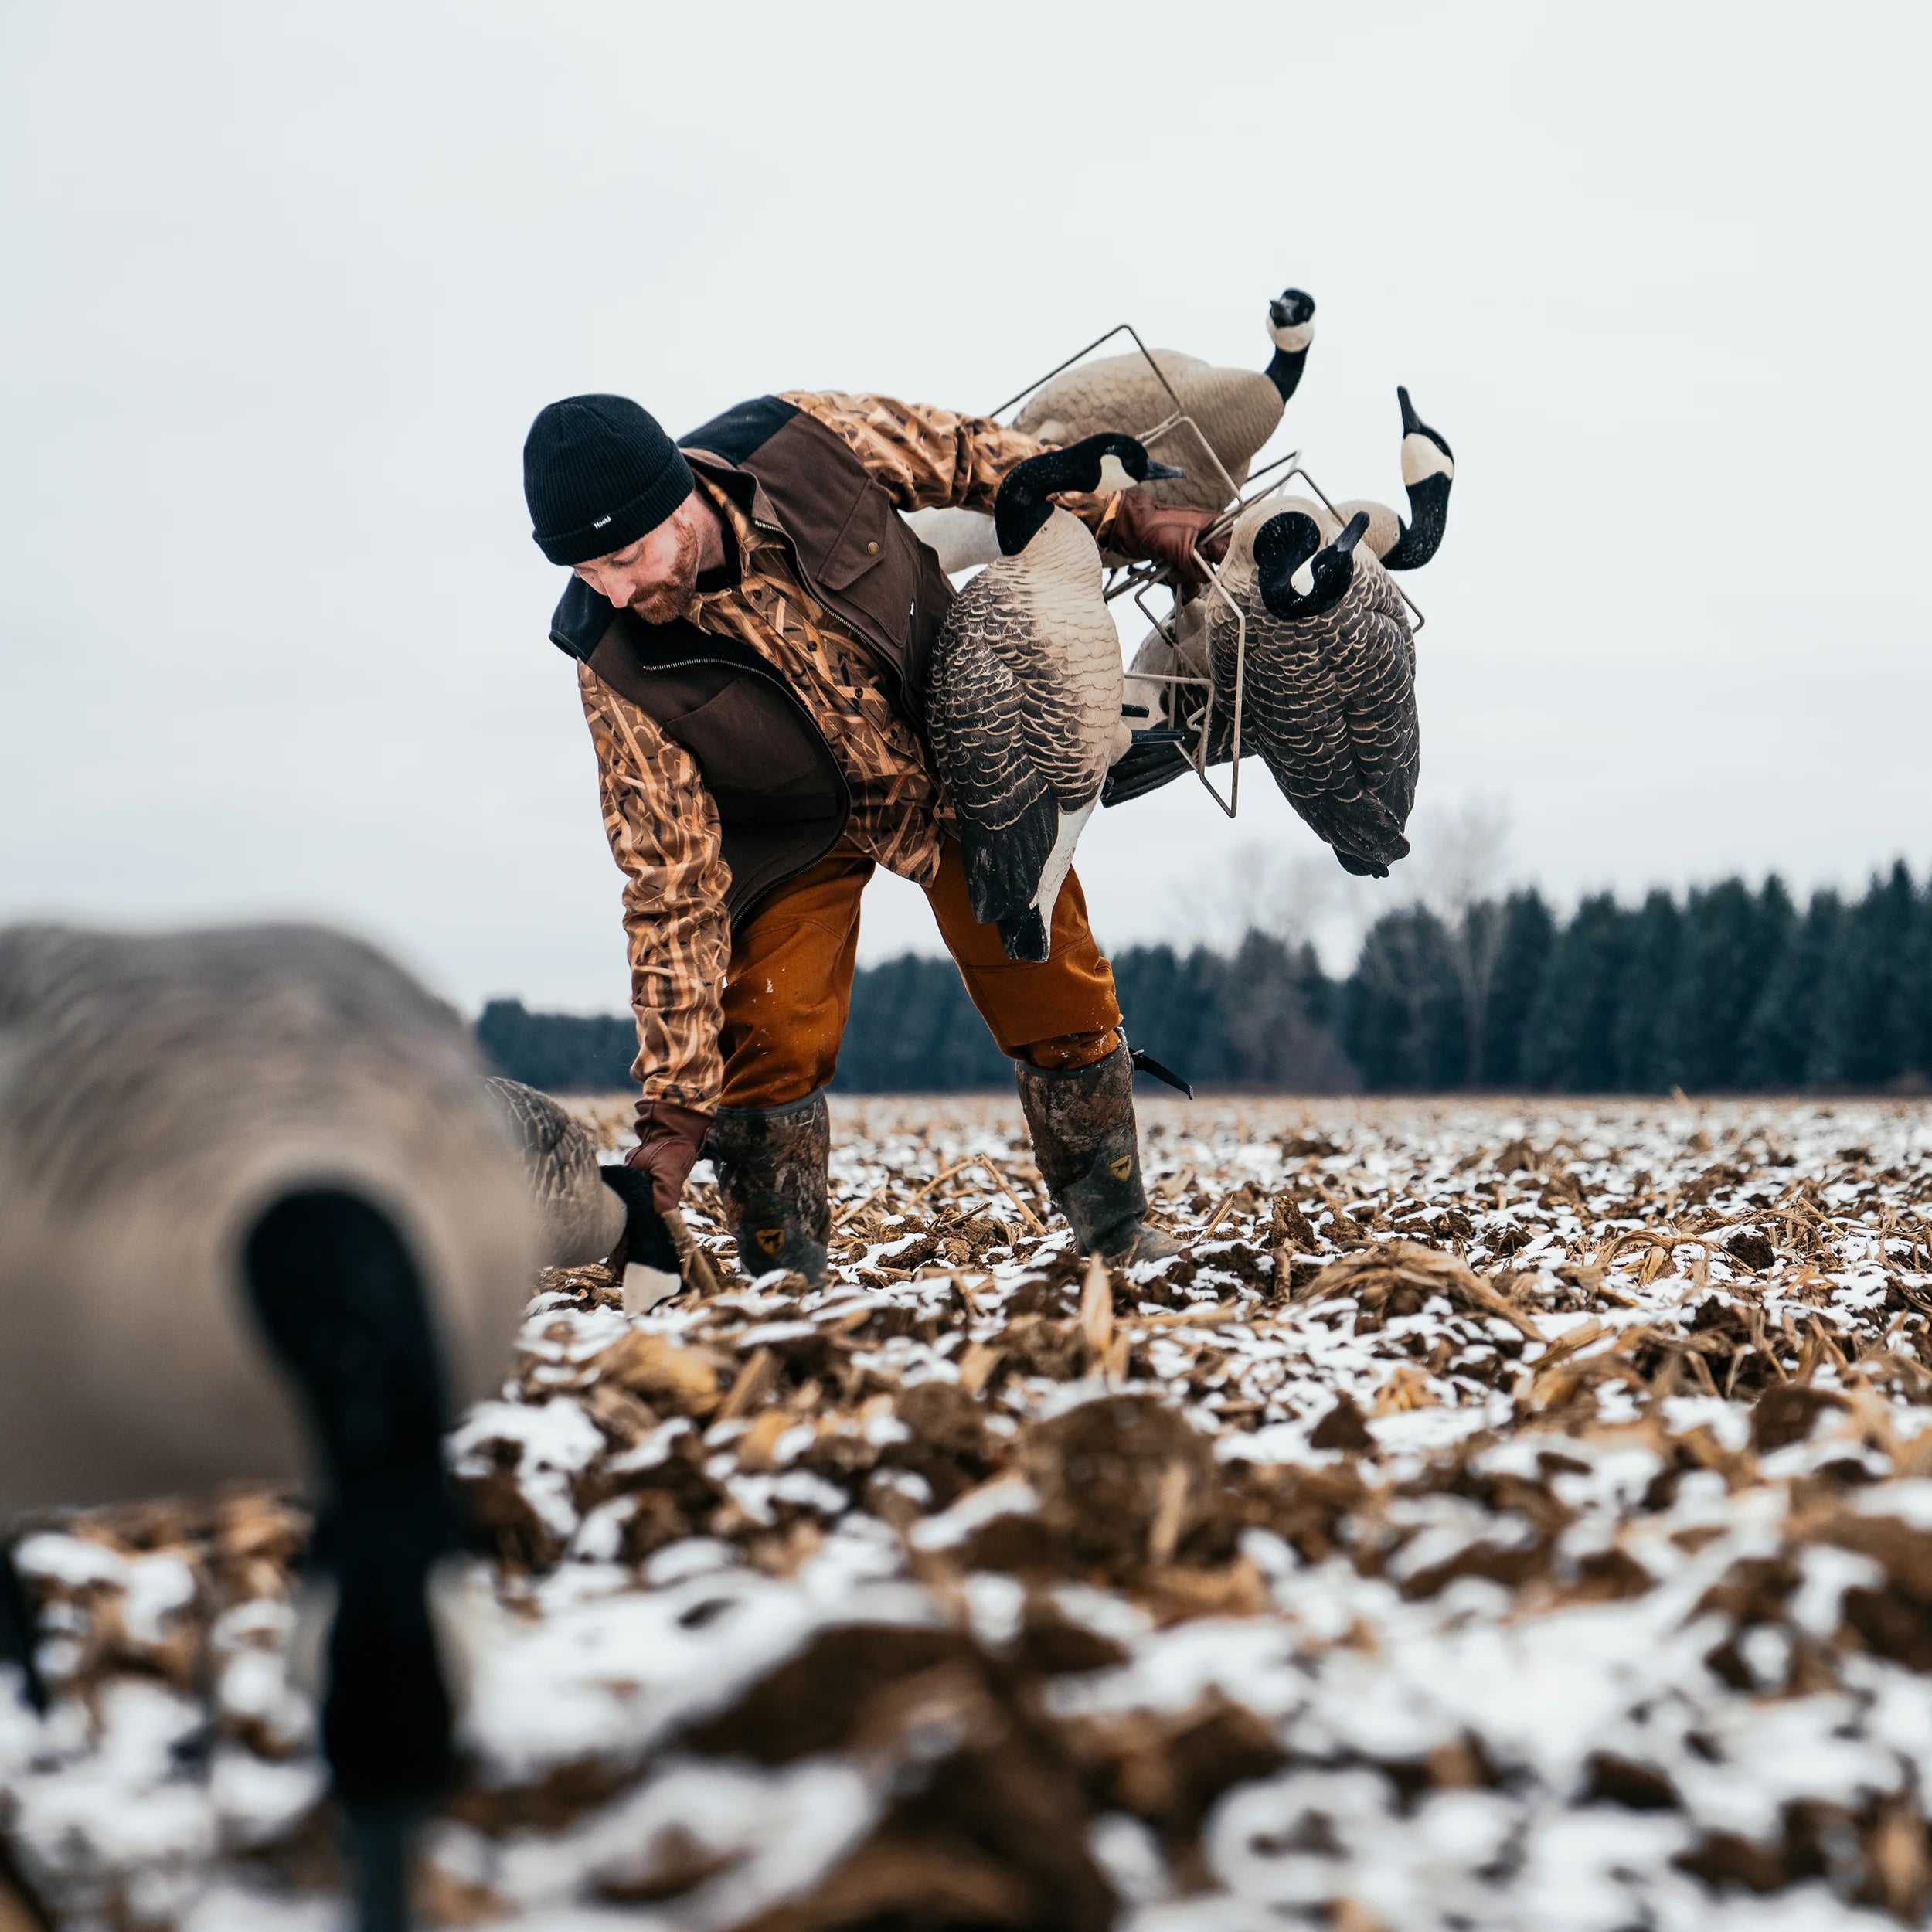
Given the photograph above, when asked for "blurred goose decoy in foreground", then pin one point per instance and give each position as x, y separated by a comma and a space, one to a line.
1023, 691
261, 1220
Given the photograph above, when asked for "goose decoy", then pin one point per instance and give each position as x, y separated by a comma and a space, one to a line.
1023, 691
1328, 691
1428, 469
586, 1211
1331, 689
261, 1220
1237, 410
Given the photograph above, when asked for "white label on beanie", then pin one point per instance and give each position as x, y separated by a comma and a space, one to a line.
599, 523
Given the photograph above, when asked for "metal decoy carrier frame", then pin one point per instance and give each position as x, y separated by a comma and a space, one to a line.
1194, 736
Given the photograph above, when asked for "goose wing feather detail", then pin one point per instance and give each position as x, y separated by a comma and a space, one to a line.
977, 719
1330, 705
581, 1218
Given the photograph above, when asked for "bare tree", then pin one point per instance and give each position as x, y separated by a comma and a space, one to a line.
1459, 871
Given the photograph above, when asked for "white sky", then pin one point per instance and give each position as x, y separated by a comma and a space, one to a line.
284, 286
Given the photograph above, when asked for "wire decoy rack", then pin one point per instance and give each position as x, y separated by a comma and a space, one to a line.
1193, 737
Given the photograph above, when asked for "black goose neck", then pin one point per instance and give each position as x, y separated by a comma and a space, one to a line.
1025, 500
1428, 518
16, 1629
1285, 370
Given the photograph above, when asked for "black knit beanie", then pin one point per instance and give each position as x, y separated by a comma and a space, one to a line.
598, 473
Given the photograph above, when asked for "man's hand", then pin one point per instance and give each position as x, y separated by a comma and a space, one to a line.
1149, 532
670, 1138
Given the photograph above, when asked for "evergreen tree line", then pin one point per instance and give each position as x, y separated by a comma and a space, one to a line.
1724, 988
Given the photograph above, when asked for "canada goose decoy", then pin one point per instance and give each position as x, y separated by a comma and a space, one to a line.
1428, 469
1331, 682
1023, 691
588, 1212
1328, 691
262, 1220
1237, 410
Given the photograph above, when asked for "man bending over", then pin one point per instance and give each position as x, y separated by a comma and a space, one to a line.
750, 621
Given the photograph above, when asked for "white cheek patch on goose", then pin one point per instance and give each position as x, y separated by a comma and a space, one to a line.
1302, 583
1297, 335
1114, 474
1421, 458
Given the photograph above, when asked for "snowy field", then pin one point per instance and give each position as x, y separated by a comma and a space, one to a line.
1510, 1516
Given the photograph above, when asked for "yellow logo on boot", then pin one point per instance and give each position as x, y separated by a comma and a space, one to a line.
770, 1239
1121, 1168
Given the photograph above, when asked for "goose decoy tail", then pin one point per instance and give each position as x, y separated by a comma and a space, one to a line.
1428, 469
1024, 935
1291, 329
341, 1306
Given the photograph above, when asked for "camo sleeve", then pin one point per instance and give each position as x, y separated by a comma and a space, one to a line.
931, 459
663, 834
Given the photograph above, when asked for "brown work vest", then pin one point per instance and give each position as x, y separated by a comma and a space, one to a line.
782, 801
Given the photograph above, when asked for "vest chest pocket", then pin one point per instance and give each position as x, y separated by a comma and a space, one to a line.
873, 567
760, 759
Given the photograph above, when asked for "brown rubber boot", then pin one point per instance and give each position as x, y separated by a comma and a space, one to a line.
770, 1163
1082, 1122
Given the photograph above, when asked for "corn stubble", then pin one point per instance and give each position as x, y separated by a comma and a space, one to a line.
1491, 1508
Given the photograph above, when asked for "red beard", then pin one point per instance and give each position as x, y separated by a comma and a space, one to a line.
672, 597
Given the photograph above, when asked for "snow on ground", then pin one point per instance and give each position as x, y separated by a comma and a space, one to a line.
1512, 1517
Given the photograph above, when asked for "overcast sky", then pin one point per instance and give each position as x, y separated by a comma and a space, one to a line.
284, 286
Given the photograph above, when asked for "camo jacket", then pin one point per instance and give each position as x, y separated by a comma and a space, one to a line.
661, 821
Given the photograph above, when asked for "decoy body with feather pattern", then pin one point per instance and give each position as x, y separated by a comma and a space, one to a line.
1237, 410
1187, 649
260, 1217
588, 1211
1328, 687
1023, 691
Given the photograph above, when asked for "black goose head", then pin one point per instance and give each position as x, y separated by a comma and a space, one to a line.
1299, 578
1428, 469
1103, 462
1291, 329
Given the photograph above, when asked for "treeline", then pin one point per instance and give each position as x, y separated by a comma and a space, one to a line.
1724, 988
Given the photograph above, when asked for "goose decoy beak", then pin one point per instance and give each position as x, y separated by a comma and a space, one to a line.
1413, 425
1161, 472
1357, 528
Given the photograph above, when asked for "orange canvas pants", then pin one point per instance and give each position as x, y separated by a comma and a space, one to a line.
788, 988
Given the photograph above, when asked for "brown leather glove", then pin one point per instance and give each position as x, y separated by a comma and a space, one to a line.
670, 1138
1144, 530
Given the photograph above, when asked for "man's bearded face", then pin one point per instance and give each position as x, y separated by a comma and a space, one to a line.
657, 576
